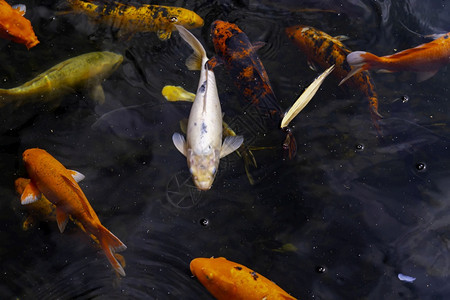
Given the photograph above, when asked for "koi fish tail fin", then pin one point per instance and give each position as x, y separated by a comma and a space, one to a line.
193, 62
359, 61
111, 244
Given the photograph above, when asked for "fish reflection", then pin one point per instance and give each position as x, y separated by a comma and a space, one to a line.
85, 71
48, 177
203, 146
225, 279
425, 59
14, 27
130, 19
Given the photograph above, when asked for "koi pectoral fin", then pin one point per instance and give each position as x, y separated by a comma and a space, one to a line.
77, 175
61, 218
97, 93
180, 143
231, 144
30, 194
422, 76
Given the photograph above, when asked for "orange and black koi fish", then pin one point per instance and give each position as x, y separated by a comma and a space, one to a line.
225, 280
235, 50
130, 19
14, 27
425, 59
325, 51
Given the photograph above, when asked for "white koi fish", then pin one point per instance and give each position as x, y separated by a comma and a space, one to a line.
203, 146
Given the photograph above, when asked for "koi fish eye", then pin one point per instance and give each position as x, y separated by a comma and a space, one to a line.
173, 19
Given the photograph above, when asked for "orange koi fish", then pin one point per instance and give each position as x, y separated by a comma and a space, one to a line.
44, 210
425, 59
130, 19
236, 52
14, 27
225, 279
49, 178
325, 51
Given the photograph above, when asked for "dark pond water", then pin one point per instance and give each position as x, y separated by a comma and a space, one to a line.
341, 220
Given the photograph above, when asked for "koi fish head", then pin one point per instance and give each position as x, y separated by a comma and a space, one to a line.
184, 17
203, 168
214, 274
221, 31
31, 156
104, 63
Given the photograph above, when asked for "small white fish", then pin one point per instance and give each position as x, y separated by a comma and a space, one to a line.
203, 146
305, 97
406, 278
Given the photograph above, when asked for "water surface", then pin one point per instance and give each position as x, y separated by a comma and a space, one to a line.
340, 221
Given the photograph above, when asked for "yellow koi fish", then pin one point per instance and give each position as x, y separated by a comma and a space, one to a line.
130, 19
225, 280
85, 71
48, 177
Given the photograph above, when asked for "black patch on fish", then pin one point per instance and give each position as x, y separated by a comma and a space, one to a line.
204, 130
346, 66
202, 88
446, 36
238, 268
328, 51
332, 60
254, 275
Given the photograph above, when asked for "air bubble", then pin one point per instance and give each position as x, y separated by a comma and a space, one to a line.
204, 222
321, 269
421, 167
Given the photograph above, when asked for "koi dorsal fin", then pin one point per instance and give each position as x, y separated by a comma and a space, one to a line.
61, 219
77, 176
80, 194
